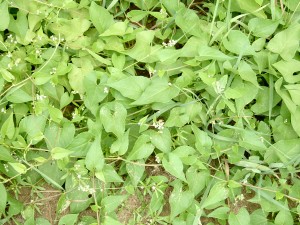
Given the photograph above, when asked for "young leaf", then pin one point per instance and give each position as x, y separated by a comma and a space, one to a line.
242, 218
217, 194
160, 90
60, 153
4, 16
3, 199
174, 166
94, 160
137, 86
110, 203
100, 17
142, 148
8, 127
180, 200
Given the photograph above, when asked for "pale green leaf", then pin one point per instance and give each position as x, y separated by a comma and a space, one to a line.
94, 160
174, 166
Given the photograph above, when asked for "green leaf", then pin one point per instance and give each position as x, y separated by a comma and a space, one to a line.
6, 74
8, 127
142, 50
6, 155
286, 42
94, 160
100, 17
220, 213
238, 43
203, 141
196, 180
18, 95
247, 74
284, 218
113, 116
69, 219
174, 166
4, 16
217, 194
60, 153
110, 174
159, 90
262, 27
65, 28
161, 140
188, 21
18, 167
135, 171
55, 114
209, 53
121, 144
142, 148
179, 200
137, 86
117, 29
108, 221
242, 218
259, 217
251, 7
289, 69
3, 199
110, 203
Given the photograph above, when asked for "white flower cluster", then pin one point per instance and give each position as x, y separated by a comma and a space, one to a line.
53, 71
159, 124
152, 72
40, 97
171, 43
11, 39
106, 90
86, 188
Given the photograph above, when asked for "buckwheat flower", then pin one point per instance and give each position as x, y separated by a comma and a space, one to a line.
6, 167
53, 71
9, 55
3, 110
157, 159
106, 90
153, 188
38, 52
159, 124
17, 61
165, 44
40, 97
74, 114
172, 43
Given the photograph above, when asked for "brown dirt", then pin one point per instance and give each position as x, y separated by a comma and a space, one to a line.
46, 202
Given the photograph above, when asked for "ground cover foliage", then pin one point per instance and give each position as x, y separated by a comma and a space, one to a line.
150, 112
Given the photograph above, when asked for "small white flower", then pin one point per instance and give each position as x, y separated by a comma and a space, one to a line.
38, 52
53, 71
74, 114
3, 110
165, 44
9, 55
18, 60
159, 124
157, 159
153, 188
53, 38
40, 97
170, 84
9, 66
6, 167
171, 43
106, 90
78, 176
